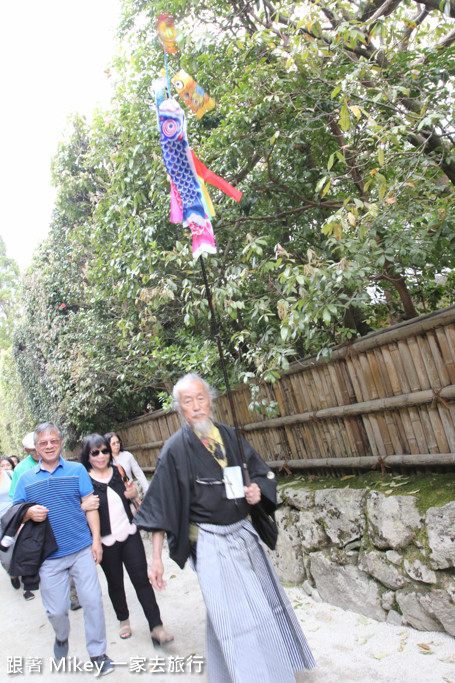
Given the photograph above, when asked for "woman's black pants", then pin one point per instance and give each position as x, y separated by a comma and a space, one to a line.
130, 553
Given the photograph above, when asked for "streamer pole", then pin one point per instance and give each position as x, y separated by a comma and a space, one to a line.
216, 334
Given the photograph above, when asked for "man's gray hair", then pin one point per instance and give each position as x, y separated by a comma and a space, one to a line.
182, 382
46, 427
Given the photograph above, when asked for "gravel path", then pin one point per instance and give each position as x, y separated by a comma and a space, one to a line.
347, 646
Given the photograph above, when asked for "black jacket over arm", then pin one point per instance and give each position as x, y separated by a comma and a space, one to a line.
35, 542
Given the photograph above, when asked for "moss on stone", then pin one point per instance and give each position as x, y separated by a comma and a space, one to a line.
430, 489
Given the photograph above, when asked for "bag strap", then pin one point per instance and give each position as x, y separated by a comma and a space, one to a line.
122, 474
135, 502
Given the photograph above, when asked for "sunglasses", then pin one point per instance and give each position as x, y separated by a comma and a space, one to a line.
97, 451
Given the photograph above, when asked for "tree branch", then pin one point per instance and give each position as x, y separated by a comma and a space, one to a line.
349, 157
447, 41
432, 144
432, 5
310, 204
255, 159
386, 8
404, 42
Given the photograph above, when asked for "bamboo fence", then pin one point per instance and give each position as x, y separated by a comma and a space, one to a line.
385, 400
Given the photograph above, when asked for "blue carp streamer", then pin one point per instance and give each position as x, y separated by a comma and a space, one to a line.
187, 191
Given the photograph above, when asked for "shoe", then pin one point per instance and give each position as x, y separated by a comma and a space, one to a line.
15, 582
28, 595
125, 629
160, 636
60, 648
75, 605
104, 665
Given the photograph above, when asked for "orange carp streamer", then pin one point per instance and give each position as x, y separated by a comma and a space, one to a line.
167, 33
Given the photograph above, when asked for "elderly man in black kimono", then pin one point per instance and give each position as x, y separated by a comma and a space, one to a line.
198, 499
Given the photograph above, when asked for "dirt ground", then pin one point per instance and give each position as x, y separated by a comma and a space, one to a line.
347, 647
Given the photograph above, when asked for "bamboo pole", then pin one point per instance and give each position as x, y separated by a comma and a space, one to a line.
419, 363
337, 384
438, 359
280, 396
155, 415
146, 446
393, 430
450, 336
448, 359
409, 371
401, 431
428, 360
401, 385
385, 386
415, 431
367, 462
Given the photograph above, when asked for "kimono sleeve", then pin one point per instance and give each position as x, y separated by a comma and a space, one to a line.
166, 504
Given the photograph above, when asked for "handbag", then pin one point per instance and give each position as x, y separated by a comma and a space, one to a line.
264, 524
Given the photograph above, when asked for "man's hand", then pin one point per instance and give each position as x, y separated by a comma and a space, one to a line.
93, 521
156, 575
37, 513
97, 551
156, 568
130, 491
90, 502
252, 494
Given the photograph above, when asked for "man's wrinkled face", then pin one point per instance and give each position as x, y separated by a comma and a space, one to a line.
195, 402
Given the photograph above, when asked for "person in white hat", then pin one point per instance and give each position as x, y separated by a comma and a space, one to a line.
25, 464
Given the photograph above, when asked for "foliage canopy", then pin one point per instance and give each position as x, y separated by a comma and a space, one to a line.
335, 119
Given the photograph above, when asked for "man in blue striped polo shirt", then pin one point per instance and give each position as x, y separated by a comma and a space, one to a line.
57, 487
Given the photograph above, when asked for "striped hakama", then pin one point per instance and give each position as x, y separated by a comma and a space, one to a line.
253, 635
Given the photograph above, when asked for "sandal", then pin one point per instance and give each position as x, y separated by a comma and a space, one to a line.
125, 629
160, 636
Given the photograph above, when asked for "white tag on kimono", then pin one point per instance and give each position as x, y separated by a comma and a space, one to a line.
233, 481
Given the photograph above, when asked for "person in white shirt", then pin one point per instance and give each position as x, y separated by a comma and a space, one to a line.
126, 460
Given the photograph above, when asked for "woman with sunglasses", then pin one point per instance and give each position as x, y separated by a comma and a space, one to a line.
122, 543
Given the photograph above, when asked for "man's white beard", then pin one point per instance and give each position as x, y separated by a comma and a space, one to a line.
203, 427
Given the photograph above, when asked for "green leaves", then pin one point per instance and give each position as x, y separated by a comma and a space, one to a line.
345, 118
339, 141
9, 296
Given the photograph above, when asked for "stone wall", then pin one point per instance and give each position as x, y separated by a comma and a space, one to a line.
371, 553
